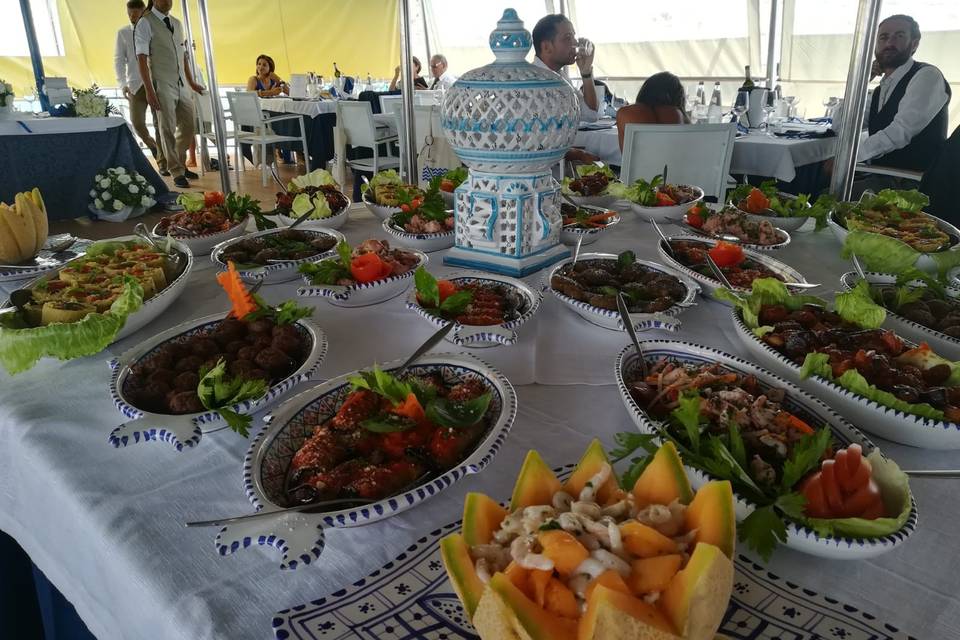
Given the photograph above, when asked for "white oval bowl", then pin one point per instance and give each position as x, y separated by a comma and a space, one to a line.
782, 234
202, 245
924, 262
659, 213
378, 210
709, 285
268, 459
799, 537
602, 201
184, 430
608, 319
363, 294
277, 271
334, 221
945, 345
788, 224
153, 307
426, 242
875, 418
570, 236
486, 335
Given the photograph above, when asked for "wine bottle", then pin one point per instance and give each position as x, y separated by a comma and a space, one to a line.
748, 83
715, 96
336, 71
777, 91
701, 93
369, 79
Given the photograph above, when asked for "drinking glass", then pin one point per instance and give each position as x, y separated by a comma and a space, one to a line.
769, 107
741, 105
700, 112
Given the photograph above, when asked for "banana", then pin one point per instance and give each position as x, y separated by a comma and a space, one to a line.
39, 219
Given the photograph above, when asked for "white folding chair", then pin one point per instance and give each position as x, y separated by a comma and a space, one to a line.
245, 111
205, 126
390, 104
355, 120
695, 154
426, 97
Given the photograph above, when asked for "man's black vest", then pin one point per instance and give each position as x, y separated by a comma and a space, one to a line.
925, 146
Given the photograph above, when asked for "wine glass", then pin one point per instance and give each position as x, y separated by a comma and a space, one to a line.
741, 105
769, 107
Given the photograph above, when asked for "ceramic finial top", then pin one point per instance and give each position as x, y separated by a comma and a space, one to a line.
510, 42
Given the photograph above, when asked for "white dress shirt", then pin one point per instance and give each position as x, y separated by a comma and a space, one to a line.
922, 101
144, 32
125, 61
586, 113
445, 81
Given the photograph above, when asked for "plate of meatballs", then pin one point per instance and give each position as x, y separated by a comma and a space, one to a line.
155, 383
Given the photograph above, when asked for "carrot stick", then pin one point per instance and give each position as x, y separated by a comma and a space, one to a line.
601, 216
410, 408
243, 303
789, 420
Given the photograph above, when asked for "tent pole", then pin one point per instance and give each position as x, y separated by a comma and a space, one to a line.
192, 50
855, 98
426, 33
219, 126
772, 44
35, 59
408, 151
563, 7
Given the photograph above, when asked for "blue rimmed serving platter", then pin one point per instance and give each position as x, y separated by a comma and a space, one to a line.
799, 403
426, 242
184, 431
363, 294
275, 272
299, 536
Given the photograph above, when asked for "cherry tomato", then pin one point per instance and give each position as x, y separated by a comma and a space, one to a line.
447, 185
757, 202
726, 254
405, 208
694, 219
663, 200
367, 268
213, 198
446, 288
416, 202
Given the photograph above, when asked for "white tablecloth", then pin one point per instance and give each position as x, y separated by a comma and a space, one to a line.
312, 108
105, 524
56, 125
754, 154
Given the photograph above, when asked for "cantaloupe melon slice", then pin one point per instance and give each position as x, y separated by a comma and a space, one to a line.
460, 569
645, 541
566, 551
664, 480
653, 574
481, 518
712, 514
611, 580
505, 613
697, 596
590, 464
535, 484
612, 615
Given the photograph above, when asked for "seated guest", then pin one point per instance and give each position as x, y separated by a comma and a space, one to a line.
556, 46
907, 120
442, 78
418, 81
265, 82
660, 101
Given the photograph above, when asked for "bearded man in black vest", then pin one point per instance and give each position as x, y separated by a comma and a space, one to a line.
907, 120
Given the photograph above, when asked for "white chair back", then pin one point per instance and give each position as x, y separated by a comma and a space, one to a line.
205, 107
697, 155
426, 97
245, 108
355, 119
389, 104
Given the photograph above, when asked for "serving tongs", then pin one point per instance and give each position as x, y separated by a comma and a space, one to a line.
141, 231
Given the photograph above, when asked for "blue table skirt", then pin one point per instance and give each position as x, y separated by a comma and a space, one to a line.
319, 137
63, 165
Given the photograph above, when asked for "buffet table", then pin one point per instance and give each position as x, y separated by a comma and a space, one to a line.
754, 154
106, 525
61, 156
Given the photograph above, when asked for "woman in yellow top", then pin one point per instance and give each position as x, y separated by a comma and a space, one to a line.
266, 83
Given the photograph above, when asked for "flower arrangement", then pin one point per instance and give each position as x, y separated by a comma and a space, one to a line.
6, 93
117, 188
88, 103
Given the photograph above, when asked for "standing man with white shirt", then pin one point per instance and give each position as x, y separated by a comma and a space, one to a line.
908, 114
166, 73
128, 79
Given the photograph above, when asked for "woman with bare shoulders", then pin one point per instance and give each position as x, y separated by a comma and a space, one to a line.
660, 101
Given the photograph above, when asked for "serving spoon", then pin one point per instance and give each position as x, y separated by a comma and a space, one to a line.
628, 325
663, 237
934, 473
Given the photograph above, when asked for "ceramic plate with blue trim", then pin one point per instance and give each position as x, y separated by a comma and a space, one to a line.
411, 598
875, 418
274, 272
45, 261
334, 221
363, 294
426, 242
185, 430
381, 211
201, 244
610, 318
299, 536
484, 335
797, 402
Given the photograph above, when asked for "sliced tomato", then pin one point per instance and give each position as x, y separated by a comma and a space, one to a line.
726, 254
447, 185
663, 200
757, 202
367, 267
446, 288
213, 198
694, 219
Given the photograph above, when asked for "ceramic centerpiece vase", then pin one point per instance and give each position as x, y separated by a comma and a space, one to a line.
510, 122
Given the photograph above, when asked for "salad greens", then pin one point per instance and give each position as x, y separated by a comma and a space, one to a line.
430, 206
303, 202
383, 177
21, 348
641, 192
888, 255
191, 200
456, 176
316, 178
785, 207
218, 393
331, 270
765, 291
428, 293
858, 306
589, 170
912, 201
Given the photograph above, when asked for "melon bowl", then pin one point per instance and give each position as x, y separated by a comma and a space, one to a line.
541, 568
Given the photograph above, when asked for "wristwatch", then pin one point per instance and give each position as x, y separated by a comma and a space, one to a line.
587, 75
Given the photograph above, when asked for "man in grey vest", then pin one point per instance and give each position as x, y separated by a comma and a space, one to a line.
165, 70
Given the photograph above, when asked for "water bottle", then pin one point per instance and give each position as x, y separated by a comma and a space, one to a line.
715, 99
701, 93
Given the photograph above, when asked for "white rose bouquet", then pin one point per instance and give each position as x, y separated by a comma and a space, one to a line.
6, 94
117, 188
88, 103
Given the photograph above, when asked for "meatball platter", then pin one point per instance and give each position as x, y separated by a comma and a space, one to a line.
155, 384
314, 438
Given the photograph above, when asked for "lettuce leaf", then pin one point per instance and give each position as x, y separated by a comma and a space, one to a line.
912, 200
20, 349
857, 306
895, 490
765, 291
879, 253
191, 201
946, 261
304, 202
923, 357
106, 248
590, 169
217, 393
383, 177
316, 178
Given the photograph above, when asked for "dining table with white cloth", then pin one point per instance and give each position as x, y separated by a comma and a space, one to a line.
106, 525
753, 154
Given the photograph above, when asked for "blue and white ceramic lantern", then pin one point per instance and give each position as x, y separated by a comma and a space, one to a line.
510, 122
